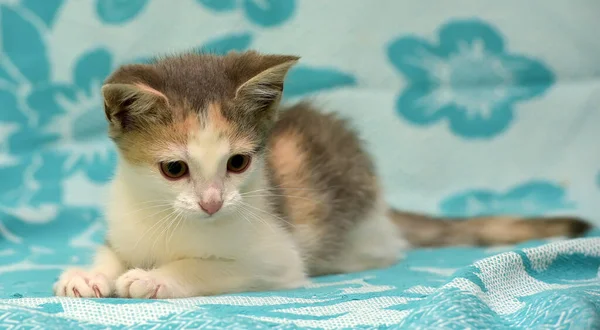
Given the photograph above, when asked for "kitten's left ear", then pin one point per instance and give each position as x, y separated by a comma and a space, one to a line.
263, 91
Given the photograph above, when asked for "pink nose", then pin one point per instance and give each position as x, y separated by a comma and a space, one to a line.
211, 207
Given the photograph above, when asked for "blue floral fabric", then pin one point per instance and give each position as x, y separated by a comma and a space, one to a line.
479, 110
468, 79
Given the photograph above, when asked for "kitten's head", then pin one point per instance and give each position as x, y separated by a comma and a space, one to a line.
191, 129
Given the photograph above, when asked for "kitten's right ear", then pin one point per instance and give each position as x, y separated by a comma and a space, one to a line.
130, 105
262, 89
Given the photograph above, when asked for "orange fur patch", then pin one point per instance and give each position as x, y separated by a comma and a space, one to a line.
216, 120
144, 146
304, 205
240, 142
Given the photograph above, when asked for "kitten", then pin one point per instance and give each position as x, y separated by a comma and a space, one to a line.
217, 191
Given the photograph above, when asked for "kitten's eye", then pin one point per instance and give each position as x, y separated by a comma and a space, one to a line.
238, 163
174, 170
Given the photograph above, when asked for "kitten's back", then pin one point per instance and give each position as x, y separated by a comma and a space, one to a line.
324, 187
323, 182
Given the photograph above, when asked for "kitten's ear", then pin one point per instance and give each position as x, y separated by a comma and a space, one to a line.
132, 99
262, 91
129, 104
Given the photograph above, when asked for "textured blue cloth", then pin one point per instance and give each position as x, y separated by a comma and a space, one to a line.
468, 108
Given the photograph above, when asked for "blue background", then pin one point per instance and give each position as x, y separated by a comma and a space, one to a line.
469, 109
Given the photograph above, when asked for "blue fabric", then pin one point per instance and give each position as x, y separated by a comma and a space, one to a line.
468, 110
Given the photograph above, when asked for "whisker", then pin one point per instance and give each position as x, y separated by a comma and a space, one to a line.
267, 213
147, 208
287, 188
147, 231
165, 229
156, 202
152, 215
240, 214
179, 218
153, 201
258, 218
291, 196
165, 224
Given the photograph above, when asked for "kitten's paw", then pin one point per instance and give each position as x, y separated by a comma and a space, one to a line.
141, 284
79, 283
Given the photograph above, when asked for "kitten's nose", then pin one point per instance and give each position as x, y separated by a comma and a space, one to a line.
211, 207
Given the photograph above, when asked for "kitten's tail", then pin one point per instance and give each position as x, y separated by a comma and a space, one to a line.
422, 230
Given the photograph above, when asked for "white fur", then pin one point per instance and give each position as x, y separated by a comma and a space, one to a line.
156, 224
162, 245
193, 256
98, 281
374, 243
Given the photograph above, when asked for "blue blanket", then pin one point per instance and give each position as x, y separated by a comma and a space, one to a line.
468, 110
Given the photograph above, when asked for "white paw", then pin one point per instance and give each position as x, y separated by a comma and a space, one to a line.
141, 284
80, 283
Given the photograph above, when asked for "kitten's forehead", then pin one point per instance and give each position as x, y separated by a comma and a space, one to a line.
207, 153
209, 147
205, 137
217, 126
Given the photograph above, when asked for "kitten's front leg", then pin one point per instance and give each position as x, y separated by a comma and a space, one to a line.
98, 281
197, 277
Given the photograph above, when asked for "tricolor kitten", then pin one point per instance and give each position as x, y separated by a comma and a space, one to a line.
218, 191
